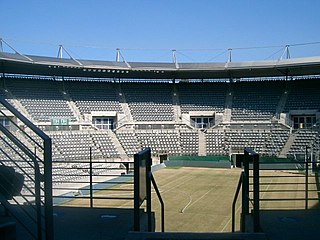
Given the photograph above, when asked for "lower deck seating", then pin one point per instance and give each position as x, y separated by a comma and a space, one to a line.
303, 139
189, 143
215, 143
161, 142
276, 141
255, 139
129, 142
75, 145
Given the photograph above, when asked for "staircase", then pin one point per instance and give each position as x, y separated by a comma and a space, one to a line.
202, 143
282, 103
176, 106
117, 144
124, 105
127, 113
30, 209
228, 105
287, 146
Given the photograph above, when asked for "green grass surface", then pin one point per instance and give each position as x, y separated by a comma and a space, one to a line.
196, 199
200, 199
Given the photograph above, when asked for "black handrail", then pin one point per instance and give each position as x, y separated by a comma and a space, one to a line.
37, 193
160, 199
249, 157
235, 201
46, 161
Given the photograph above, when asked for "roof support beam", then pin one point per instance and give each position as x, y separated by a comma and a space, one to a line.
174, 58
61, 49
229, 55
119, 55
8, 45
286, 53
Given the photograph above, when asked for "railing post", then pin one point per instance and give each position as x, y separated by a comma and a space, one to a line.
48, 188
148, 189
136, 207
306, 178
245, 191
235, 201
90, 177
256, 193
160, 199
37, 188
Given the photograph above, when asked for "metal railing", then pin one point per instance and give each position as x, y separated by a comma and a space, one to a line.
293, 184
142, 189
249, 157
91, 182
29, 151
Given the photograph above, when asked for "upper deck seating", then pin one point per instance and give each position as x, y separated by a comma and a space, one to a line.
149, 102
95, 96
202, 97
255, 101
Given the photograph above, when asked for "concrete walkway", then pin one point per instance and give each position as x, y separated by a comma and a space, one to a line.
291, 224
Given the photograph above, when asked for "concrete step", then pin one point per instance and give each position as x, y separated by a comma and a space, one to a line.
193, 236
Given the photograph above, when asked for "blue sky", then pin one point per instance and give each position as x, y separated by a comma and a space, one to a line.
147, 30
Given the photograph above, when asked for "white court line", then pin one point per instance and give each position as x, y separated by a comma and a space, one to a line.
200, 197
237, 210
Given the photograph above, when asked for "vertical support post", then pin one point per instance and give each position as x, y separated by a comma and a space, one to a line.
48, 208
37, 195
118, 55
306, 179
229, 55
136, 212
90, 177
60, 51
160, 199
245, 191
148, 189
174, 58
256, 194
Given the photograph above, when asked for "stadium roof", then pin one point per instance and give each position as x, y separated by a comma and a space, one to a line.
15, 63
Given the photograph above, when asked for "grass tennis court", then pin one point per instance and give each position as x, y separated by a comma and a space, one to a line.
200, 199
196, 199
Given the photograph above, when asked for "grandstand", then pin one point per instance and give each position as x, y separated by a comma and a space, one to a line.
107, 111
116, 118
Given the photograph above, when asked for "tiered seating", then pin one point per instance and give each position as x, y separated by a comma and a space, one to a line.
103, 141
215, 143
303, 139
255, 139
189, 142
160, 141
149, 102
94, 96
303, 95
42, 99
202, 97
129, 142
276, 141
255, 101
68, 172
75, 145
